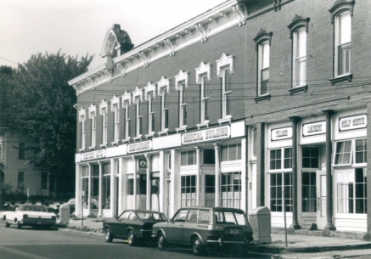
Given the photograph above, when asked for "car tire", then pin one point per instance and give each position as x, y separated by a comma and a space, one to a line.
161, 242
19, 225
108, 236
197, 246
131, 238
7, 224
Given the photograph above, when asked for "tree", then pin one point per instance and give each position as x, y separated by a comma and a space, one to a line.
40, 107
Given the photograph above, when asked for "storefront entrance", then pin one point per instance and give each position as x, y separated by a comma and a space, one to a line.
321, 200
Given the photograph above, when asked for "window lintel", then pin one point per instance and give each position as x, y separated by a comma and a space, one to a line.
224, 62
181, 77
149, 89
298, 22
163, 84
341, 6
262, 36
202, 70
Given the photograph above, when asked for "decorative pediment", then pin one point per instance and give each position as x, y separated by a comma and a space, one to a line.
116, 40
126, 98
163, 84
92, 111
202, 70
181, 78
298, 22
115, 101
263, 35
341, 6
138, 93
103, 107
150, 89
223, 62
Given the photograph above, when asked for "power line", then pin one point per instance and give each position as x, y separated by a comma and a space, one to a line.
8, 60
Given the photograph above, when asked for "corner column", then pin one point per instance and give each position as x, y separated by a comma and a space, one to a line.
294, 224
368, 235
100, 196
198, 177
329, 194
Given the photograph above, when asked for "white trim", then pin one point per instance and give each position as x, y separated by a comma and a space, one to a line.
202, 70
224, 62
181, 77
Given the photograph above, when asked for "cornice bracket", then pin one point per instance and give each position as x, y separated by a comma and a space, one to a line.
144, 58
171, 46
203, 31
241, 11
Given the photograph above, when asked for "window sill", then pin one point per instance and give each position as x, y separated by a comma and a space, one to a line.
150, 135
138, 138
103, 145
180, 129
297, 89
81, 150
115, 143
92, 148
225, 120
127, 140
203, 124
262, 97
164, 132
347, 77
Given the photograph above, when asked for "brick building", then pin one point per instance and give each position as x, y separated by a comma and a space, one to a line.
245, 104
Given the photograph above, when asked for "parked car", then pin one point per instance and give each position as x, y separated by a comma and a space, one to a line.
133, 225
203, 227
29, 215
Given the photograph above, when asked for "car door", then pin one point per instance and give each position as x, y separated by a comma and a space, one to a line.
121, 224
175, 226
190, 226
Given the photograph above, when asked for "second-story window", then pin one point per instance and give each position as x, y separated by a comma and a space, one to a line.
116, 122
299, 57
151, 114
138, 117
163, 90
82, 129
182, 106
263, 67
226, 85
93, 126
104, 126
127, 119
204, 100
343, 26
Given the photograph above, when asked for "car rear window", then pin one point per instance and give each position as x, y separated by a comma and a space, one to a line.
230, 217
151, 215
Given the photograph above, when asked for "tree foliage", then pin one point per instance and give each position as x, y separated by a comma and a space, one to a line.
40, 107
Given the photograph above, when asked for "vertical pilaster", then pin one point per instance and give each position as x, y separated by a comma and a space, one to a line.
329, 199
78, 188
112, 187
135, 167
198, 176
174, 185
369, 170
217, 174
295, 224
122, 189
260, 185
149, 183
244, 177
89, 188
100, 196
163, 182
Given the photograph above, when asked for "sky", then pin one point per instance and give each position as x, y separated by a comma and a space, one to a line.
78, 27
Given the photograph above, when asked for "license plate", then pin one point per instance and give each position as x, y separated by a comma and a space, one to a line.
234, 231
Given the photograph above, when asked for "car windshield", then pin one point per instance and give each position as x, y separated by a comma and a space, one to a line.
230, 217
151, 215
34, 208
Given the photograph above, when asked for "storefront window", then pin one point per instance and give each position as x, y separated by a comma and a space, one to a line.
231, 152
142, 184
279, 182
106, 190
209, 157
361, 151
352, 191
188, 158
94, 186
276, 158
231, 190
188, 192
130, 186
209, 190
310, 157
309, 192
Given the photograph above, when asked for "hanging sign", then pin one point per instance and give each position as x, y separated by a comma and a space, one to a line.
352, 123
282, 133
206, 135
140, 146
315, 128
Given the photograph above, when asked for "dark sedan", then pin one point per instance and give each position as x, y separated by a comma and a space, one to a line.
133, 225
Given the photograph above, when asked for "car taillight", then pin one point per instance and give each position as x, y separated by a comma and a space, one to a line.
25, 216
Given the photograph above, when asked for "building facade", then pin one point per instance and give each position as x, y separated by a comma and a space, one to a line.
252, 103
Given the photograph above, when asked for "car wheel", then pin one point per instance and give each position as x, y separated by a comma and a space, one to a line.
7, 224
161, 242
108, 236
131, 238
4, 217
19, 225
197, 246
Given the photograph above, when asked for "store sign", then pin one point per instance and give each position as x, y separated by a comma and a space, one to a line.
93, 155
206, 135
282, 133
316, 128
140, 146
352, 123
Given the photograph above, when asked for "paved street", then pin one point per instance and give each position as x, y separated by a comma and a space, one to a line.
56, 244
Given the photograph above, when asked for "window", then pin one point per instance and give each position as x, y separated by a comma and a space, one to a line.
104, 126
209, 190
361, 151
182, 107
299, 57
226, 85
352, 191
309, 192
279, 182
204, 217
127, 120
231, 152
163, 90
20, 185
106, 186
280, 159
263, 42
204, 118
82, 129
343, 153
188, 190
116, 123
310, 157
151, 114
188, 158
231, 190
93, 123
130, 186
209, 157
142, 184
138, 116
21, 150
343, 25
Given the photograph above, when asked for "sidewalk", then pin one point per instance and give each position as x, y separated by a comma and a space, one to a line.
299, 245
